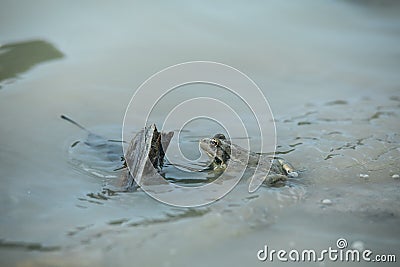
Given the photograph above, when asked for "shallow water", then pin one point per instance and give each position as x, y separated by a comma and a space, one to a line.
329, 71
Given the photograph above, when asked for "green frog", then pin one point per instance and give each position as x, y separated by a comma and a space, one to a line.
222, 152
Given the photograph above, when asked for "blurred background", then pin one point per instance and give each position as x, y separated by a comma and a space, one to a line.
329, 69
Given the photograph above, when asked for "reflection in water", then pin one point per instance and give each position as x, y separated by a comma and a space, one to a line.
16, 58
26, 246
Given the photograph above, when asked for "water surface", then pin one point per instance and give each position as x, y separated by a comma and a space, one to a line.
328, 69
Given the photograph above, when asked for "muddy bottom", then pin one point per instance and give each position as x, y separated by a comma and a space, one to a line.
348, 188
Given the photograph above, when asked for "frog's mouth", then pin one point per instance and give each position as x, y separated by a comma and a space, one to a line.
204, 145
216, 162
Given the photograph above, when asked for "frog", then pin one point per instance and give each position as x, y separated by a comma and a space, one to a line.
222, 153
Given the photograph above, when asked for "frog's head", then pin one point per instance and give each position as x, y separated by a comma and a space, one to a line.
218, 149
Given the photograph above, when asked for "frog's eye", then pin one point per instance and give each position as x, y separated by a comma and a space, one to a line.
220, 136
214, 142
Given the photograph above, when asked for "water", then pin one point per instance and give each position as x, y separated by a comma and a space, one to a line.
328, 69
